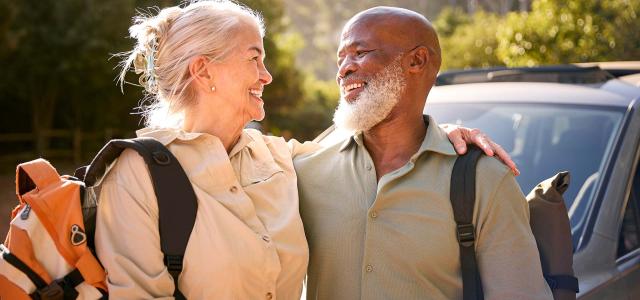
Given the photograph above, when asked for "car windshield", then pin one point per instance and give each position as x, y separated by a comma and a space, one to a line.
544, 140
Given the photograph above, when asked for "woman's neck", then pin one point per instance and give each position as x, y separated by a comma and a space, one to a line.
224, 125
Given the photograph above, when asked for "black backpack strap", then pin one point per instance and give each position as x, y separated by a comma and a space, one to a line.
463, 198
563, 282
177, 203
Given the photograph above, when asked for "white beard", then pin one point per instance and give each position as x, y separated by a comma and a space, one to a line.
374, 103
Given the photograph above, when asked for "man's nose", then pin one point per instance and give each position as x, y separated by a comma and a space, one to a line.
345, 68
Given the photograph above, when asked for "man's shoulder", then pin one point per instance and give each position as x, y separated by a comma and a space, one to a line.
323, 160
322, 153
489, 166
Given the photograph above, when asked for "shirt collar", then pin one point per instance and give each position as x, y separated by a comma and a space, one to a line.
168, 135
435, 140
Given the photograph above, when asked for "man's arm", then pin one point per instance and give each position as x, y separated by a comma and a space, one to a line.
508, 257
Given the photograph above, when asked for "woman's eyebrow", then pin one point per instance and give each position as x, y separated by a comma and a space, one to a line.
255, 48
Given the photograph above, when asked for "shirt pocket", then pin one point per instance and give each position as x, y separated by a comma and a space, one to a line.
258, 171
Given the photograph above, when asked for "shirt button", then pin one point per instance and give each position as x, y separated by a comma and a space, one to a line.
233, 189
369, 268
266, 238
368, 167
374, 215
269, 295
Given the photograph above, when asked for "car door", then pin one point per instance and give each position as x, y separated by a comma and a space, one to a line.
628, 250
607, 262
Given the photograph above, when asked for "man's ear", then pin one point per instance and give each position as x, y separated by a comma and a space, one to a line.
199, 71
418, 59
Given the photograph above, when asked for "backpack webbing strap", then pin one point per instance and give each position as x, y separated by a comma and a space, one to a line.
24, 268
463, 198
64, 288
563, 282
177, 203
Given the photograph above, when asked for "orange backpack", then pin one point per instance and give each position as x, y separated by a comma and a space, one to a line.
49, 252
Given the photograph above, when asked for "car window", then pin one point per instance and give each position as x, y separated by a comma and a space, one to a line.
544, 139
629, 238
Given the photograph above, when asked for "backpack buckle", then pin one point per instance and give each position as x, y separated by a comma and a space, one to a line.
466, 234
173, 262
161, 158
52, 291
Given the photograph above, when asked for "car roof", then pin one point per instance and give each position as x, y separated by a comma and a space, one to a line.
612, 93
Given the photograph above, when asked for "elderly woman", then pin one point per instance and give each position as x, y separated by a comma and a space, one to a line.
202, 65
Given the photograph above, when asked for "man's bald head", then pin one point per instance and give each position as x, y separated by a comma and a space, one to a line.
403, 27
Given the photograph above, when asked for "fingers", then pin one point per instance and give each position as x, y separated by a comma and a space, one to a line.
456, 138
490, 148
482, 141
505, 158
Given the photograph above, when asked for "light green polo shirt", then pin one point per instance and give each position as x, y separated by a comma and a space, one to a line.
396, 238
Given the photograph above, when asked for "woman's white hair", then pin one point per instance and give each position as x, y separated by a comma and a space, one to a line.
165, 45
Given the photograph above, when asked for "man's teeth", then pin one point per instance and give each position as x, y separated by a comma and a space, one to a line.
353, 86
256, 93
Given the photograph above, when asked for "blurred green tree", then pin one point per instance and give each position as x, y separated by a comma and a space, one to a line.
467, 40
557, 32
553, 32
56, 71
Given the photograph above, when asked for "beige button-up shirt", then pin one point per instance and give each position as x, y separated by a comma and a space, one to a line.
247, 242
396, 238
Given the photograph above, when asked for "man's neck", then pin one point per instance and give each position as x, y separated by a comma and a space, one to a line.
392, 142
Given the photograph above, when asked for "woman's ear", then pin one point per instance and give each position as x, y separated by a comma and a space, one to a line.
201, 74
418, 59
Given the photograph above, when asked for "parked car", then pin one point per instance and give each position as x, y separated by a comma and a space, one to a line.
577, 118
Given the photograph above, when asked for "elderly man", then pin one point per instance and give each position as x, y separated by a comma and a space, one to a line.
376, 206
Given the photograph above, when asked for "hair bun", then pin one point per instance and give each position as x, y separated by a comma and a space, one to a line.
150, 32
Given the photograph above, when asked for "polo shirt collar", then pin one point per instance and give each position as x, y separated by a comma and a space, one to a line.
435, 140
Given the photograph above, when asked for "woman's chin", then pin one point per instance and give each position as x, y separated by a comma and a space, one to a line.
257, 116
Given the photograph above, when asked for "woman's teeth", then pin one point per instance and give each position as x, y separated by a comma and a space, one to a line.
256, 93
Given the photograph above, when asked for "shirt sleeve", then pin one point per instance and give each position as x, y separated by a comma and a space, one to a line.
298, 148
127, 238
508, 257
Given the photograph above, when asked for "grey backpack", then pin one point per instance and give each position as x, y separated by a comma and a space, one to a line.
548, 219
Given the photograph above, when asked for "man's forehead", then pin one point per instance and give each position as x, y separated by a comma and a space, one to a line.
356, 41
369, 34
361, 32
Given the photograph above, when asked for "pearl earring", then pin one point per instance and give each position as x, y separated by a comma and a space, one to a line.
213, 88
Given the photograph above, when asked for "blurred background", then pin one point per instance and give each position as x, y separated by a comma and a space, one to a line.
59, 99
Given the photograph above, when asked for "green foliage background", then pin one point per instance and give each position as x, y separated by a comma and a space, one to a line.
56, 72
552, 32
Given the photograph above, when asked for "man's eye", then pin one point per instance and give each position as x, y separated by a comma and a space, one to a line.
362, 53
255, 58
